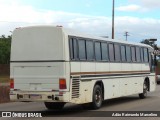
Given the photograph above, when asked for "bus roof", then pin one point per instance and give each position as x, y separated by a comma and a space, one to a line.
80, 34
73, 32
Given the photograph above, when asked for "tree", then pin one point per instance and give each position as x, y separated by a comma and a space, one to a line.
146, 41
5, 46
150, 42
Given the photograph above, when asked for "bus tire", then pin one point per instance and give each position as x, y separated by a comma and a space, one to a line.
145, 89
54, 105
97, 97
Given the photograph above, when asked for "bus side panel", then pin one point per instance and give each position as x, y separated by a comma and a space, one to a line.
136, 67
151, 76
145, 67
102, 68
152, 82
132, 85
115, 67
81, 88
112, 88
88, 67
86, 91
126, 67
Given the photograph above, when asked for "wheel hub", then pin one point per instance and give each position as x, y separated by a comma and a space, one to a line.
98, 97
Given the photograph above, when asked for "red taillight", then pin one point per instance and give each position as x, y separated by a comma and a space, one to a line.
11, 83
62, 83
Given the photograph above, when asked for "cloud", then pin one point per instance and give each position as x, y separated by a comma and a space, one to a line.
139, 28
147, 5
140, 6
129, 8
17, 15
150, 4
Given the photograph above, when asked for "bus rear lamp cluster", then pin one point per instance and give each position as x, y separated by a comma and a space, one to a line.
62, 83
12, 83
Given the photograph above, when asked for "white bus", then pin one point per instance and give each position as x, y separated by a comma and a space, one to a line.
55, 65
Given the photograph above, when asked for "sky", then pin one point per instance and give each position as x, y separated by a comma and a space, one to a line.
140, 18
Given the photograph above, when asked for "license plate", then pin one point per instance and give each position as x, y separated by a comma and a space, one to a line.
35, 96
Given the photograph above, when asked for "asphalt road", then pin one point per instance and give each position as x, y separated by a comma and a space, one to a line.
129, 103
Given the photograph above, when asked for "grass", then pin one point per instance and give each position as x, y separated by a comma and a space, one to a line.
4, 79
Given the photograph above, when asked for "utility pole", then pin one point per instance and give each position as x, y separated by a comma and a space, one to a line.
126, 34
113, 20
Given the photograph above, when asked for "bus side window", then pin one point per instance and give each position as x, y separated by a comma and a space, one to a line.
98, 51
117, 53
111, 52
138, 56
104, 51
142, 56
133, 54
73, 49
128, 53
146, 57
82, 49
123, 53
90, 50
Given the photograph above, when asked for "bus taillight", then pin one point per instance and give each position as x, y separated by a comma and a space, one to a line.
11, 83
62, 83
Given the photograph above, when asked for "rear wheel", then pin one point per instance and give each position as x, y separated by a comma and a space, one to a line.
145, 89
97, 97
54, 106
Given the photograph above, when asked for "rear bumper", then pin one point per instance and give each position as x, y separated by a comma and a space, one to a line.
27, 96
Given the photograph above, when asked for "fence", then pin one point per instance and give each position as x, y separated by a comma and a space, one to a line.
4, 89
4, 94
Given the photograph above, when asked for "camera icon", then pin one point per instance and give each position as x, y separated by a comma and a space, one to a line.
6, 114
